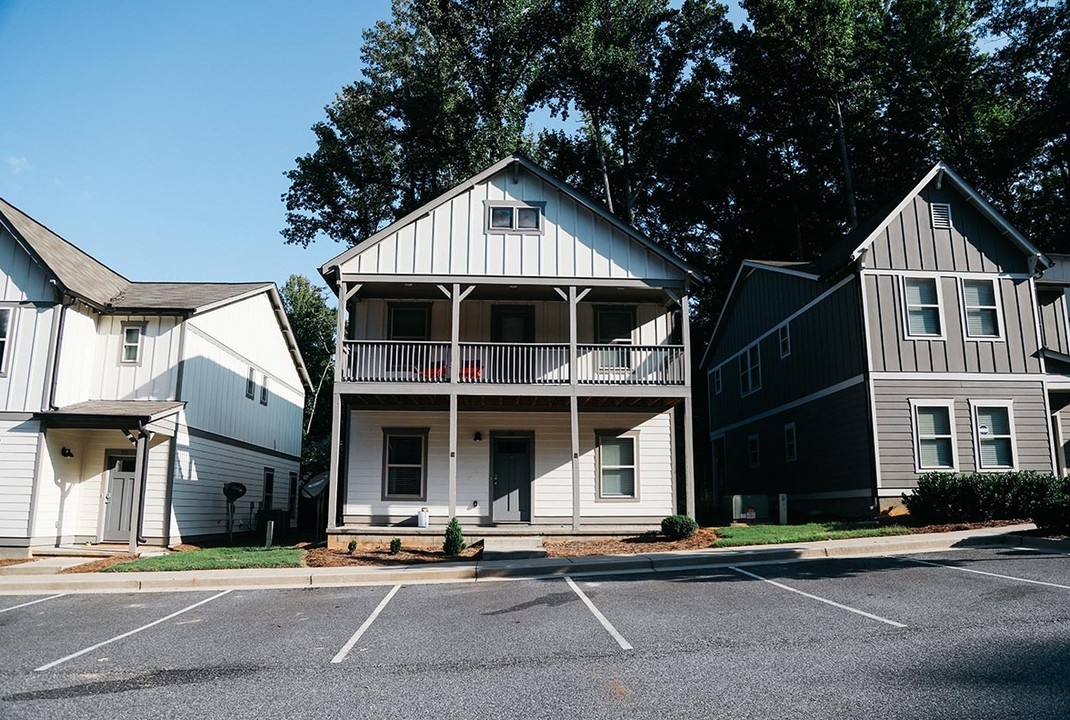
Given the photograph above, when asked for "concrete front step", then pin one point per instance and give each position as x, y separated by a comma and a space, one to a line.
44, 566
513, 548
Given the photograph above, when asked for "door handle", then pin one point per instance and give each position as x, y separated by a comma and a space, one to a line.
107, 499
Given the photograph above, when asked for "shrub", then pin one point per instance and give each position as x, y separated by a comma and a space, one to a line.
1054, 513
395, 546
454, 543
678, 527
973, 497
352, 546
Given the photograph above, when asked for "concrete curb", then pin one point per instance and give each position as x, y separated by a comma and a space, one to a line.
492, 570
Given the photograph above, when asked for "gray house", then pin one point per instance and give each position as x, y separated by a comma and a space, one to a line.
933, 338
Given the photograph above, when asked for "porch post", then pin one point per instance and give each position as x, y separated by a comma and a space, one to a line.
334, 469
455, 360
140, 466
573, 407
340, 332
689, 424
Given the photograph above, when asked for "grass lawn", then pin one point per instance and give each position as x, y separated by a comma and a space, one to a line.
773, 534
221, 558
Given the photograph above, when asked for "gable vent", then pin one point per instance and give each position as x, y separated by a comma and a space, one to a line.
941, 215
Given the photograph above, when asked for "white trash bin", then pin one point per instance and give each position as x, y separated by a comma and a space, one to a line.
422, 518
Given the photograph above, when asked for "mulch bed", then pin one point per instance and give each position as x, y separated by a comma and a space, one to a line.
627, 544
380, 555
99, 565
13, 561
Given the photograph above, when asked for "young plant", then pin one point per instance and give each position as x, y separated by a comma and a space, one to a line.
395, 546
454, 543
352, 546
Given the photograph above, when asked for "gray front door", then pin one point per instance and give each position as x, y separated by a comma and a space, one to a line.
511, 468
119, 500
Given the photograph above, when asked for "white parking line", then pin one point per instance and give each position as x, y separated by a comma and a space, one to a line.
989, 574
367, 624
601, 618
54, 663
32, 602
848, 608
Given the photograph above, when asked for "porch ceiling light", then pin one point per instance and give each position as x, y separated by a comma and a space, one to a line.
478, 437
66, 452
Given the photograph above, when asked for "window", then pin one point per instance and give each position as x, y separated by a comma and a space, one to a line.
993, 424
753, 454
750, 371
934, 435
404, 464
131, 349
982, 309
717, 381
616, 465
940, 214
614, 326
784, 336
791, 453
264, 391
5, 337
922, 307
410, 321
292, 497
250, 384
514, 217
269, 488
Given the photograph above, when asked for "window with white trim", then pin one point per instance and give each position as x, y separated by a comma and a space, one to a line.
784, 338
404, 463
617, 466
791, 449
409, 321
922, 299
754, 457
993, 426
269, 488
514, 218
979, 297
264, 390
130, 353
250, 384
750, 370
6, 327
934, 435
717, 386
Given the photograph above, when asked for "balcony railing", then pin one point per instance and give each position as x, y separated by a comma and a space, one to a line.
512, 363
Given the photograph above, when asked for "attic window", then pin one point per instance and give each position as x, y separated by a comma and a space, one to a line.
514, 217
941, 215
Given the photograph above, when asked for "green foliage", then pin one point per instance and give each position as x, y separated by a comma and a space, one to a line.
809, 532
976, 497
678, 527
220, 558
395, 546
454, 542
352, 546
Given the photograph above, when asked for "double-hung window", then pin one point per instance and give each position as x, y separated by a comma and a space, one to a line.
982, 309
616, 465
130, 354
934, 435
6, 327
922, 296
784, 338
614, 327
750, 370
250, 384
717, 382
404, 464
269, 488
993, 424
264, 390
791, 448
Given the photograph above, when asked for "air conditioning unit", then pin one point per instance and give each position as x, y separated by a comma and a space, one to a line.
750, 507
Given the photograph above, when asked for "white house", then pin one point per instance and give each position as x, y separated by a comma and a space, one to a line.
125, 406
513, 355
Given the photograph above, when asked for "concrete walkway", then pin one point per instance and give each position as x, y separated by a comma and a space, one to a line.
15, 583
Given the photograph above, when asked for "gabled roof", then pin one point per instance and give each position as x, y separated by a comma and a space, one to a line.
327, 270
175, 296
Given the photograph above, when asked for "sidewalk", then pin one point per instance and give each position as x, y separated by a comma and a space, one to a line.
27, 583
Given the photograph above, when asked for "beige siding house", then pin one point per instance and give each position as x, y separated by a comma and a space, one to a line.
512, 355
125, 406
914, 345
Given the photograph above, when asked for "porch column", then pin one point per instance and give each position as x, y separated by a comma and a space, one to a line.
334, 468
689, 424
340, 332
141, 465
573, 406
455, 361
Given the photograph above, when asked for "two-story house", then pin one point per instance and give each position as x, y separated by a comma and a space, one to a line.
125, 406
913, 345
512, 355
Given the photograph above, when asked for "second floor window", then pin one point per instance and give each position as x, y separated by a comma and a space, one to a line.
784, 336
264, 391
717, 381
982, 309
922, 307
131, 351
750, 370
514, 218
250, 384
791, 449
5, 337
410, 321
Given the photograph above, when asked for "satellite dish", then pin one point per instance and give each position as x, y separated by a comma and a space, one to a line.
314, 486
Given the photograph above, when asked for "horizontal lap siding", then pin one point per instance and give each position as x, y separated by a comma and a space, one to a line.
895, 429
833, 449
18, 450
552, 487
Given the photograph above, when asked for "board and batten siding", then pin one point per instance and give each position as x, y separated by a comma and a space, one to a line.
22, 386
551, 495
1053, 318
18, 450
452, 239
370, 320
202, 466
892, 351
826, 349
21, 278
895, 426
972, 244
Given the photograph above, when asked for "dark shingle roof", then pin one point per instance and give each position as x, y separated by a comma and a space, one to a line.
179, 296
141, 409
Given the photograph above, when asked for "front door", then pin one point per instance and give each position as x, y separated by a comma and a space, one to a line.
119, 500
511, 469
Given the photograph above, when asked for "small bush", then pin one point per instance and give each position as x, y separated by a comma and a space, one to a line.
678, 527
352, 546
395, 546
454, 543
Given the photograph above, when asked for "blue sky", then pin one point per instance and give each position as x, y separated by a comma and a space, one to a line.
154, 134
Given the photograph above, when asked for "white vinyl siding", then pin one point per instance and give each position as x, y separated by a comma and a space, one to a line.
993, 426
617, 465
923, 313
934, 435
750, 370
980, 300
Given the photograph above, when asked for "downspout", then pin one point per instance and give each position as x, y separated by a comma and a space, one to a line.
66, 302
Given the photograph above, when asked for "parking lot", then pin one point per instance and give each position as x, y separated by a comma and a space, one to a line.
977, 633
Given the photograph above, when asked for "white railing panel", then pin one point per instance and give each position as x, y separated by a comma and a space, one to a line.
630, 364
396, 361
513, 364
